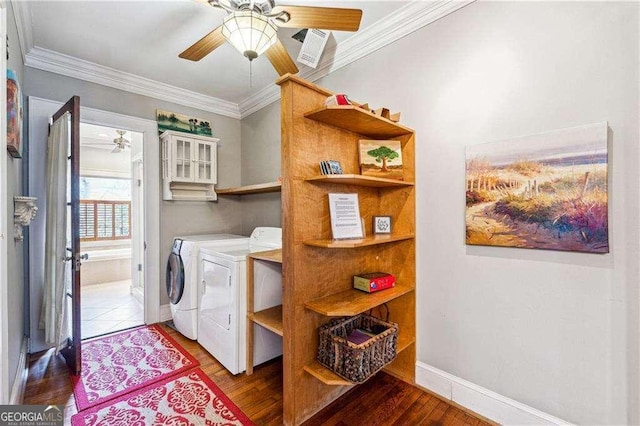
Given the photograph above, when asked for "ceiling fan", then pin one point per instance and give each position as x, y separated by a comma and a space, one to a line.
251, 26
121, 143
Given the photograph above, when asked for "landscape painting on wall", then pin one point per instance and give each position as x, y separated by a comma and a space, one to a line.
545, 191
381, 159
182, 123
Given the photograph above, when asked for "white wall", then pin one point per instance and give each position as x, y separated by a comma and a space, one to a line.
15, 255
261, 164
556, 331
101, 162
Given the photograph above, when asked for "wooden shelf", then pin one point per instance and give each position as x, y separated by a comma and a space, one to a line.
360, 180
325, 375
358, 120
404, 341
260, 188
271, 319
269, 255
330, 378
353, 302
306, 124
364, 242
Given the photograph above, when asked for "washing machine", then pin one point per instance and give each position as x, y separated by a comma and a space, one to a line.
223, 300
182, 277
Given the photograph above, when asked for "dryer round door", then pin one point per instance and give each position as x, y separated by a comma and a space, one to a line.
175, 278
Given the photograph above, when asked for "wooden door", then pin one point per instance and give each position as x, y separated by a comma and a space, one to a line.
72, 351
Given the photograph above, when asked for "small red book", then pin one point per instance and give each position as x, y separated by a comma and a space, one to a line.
374, 281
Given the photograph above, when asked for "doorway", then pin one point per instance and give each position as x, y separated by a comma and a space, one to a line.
111, 224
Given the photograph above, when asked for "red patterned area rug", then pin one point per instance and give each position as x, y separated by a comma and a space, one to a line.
190, 398
121, 363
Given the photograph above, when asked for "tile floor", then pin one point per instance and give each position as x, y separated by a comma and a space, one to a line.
109, 307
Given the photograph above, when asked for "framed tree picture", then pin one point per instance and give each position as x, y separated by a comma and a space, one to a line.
381, 159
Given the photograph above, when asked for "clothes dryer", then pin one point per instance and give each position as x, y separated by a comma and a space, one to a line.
182, 277
223, 301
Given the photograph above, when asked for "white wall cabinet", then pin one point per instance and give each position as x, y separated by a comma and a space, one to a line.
189, 166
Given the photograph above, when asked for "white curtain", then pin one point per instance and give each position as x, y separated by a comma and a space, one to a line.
54, 315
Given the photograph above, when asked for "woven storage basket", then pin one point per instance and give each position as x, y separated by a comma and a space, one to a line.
352, 361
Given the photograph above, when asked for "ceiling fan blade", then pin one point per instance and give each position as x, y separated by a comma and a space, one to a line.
116, 149
204, 46
323, 18
280, 59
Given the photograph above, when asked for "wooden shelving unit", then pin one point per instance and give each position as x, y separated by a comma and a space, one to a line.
353, 302
317, 279
358, 120
270, 318
326, 376
261, 188
360, 180
268, 255
330, 378
364, 242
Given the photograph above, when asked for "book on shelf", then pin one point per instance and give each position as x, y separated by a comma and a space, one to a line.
359, 336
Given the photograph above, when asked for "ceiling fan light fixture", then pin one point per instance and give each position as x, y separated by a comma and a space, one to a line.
120, 142
249, 32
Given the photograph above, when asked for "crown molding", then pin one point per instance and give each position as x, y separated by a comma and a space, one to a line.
22, 16
58, 63
393, 27
51, 61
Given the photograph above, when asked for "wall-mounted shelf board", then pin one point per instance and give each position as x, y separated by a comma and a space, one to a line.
271, 319
360, 180
364, 242
330, 378
353, 302
260, 188
268, 255
325, 375
358, 120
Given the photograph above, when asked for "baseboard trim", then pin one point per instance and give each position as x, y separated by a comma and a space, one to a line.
165, 313
138, 294
480, 400
20, 381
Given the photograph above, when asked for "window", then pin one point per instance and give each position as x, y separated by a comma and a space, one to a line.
105, 188
105, 208
105, 220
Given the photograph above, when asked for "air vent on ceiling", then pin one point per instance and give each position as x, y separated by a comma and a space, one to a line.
312, 47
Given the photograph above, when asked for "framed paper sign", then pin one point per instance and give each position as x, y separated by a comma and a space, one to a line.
345, 216
382, 224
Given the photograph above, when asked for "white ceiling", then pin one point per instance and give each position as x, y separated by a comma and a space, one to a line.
144, 38
101, 137
132, 45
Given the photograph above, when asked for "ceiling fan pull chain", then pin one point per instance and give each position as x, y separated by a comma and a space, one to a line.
250, 74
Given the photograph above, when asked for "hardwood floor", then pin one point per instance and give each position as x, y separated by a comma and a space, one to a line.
383, 400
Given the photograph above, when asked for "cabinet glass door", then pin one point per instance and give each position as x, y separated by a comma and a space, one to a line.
183, 159
205, 162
